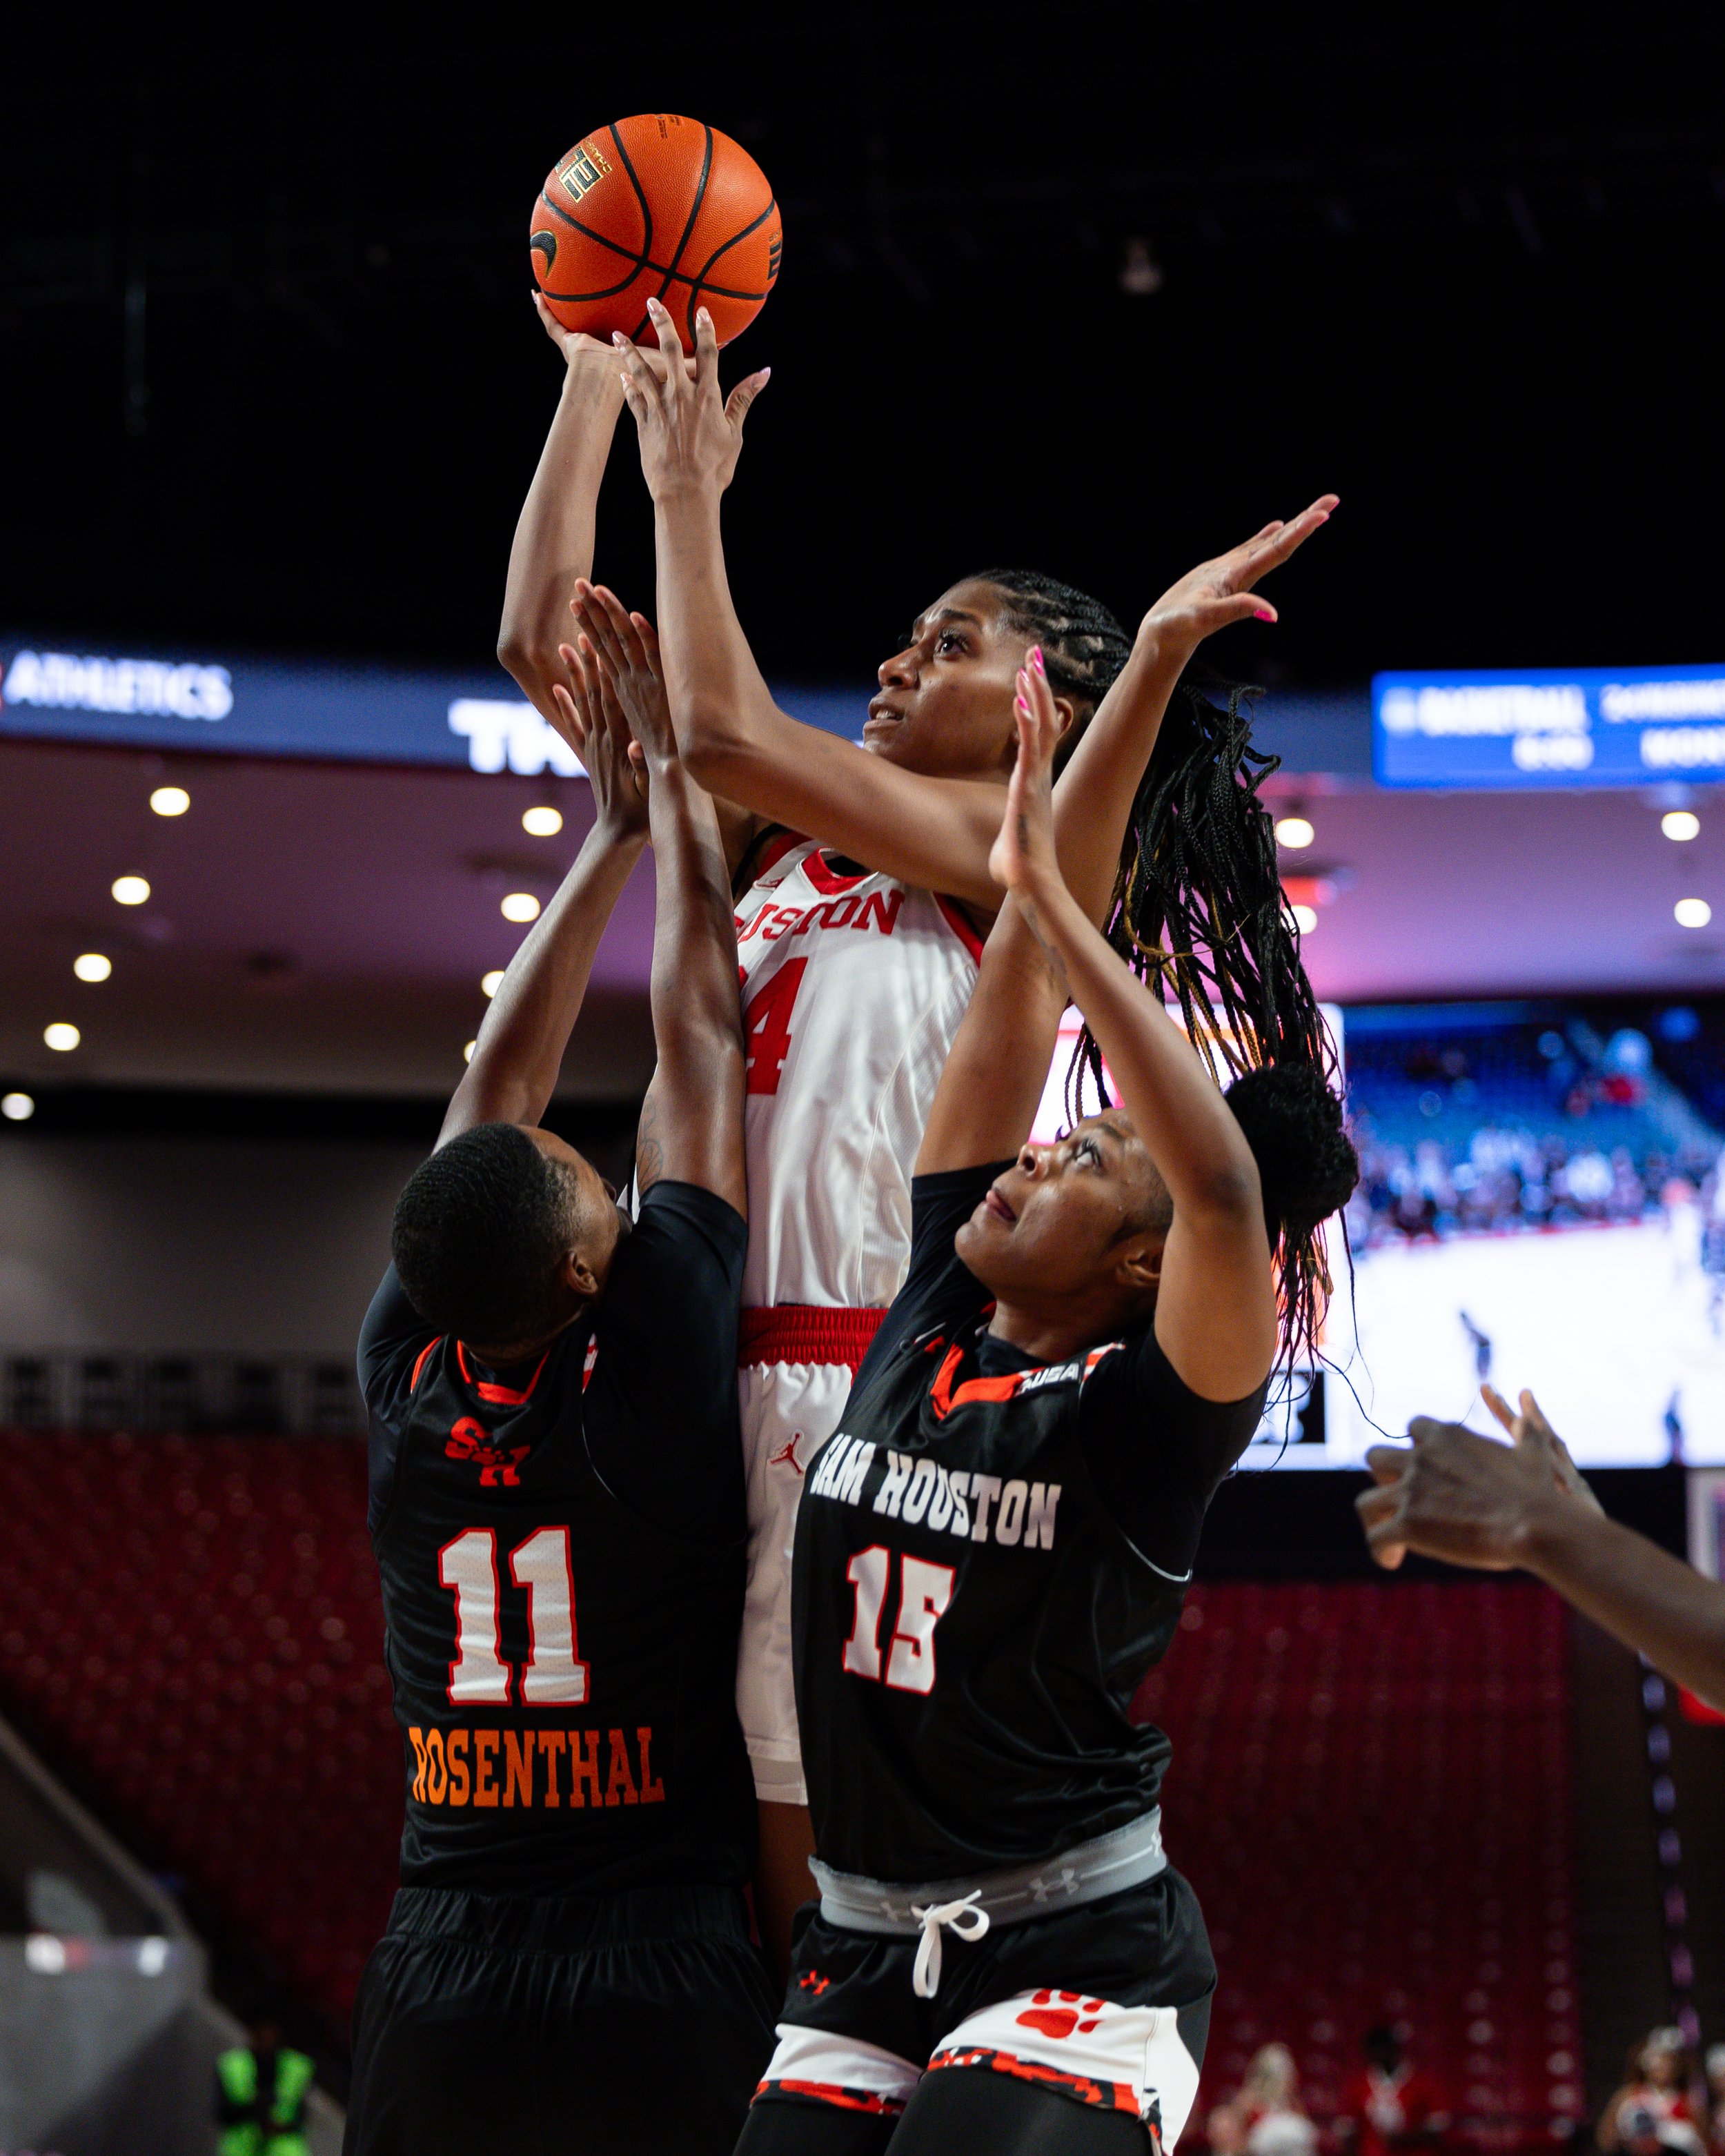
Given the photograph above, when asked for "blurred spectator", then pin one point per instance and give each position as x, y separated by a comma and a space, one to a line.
1514, 1127
1264, 2117
1651, 2114
1716, 2095
1390, 2107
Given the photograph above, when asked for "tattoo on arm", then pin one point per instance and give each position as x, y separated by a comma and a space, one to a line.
649, 1152
1033, 922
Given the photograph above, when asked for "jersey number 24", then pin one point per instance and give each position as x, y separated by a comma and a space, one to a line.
554, 1673
767, 1025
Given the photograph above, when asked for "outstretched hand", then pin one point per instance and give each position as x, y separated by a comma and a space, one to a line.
1023, 856
690, 437
1216, 592
1468, 1499
594, 723
626, 648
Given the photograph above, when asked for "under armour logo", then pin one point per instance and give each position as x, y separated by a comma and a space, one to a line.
1064, 1883
1057, 2014
787, 1457
813, 1980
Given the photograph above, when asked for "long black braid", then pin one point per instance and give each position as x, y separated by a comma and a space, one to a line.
1198, 913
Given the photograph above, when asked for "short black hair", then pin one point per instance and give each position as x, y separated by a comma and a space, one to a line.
479, 1232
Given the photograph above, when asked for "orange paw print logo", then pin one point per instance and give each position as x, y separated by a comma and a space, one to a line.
1057, 2014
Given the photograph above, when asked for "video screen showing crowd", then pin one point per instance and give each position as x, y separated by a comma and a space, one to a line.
817, 1507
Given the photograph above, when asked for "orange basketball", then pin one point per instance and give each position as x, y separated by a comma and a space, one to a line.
655, 207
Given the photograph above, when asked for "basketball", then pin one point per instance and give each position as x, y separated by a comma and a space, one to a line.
655, 206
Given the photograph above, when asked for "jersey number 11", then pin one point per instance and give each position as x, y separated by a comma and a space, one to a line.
554, 1674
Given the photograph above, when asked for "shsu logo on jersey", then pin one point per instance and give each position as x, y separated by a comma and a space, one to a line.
498, 1465
974, 1507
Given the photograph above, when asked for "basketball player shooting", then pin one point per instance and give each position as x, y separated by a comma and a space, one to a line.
557, 1509
994, 1550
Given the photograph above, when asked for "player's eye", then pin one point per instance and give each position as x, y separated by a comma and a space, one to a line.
949, 640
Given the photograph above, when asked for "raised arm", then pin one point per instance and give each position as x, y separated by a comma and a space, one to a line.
520, 1044
691, 1120
1472, 1501
1217, 1253
1093, 796
554, 535
934, 833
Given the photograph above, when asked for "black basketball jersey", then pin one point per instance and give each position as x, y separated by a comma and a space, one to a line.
562, 1614
972, 1619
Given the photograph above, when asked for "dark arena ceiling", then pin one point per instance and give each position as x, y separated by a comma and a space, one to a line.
273, 378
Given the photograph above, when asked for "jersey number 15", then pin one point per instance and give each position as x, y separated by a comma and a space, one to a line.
554, 1674
925, 1589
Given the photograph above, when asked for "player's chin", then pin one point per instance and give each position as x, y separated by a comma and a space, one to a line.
885, 737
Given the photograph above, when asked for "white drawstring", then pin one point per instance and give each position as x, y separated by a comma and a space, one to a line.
968, 1923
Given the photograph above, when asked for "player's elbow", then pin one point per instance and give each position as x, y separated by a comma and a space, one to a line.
1225, 1194
522, 657
711, 742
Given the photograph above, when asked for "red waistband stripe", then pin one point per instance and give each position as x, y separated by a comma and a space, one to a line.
806, 1333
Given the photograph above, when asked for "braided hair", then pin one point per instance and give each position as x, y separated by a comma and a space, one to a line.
1083, 647
1198, 913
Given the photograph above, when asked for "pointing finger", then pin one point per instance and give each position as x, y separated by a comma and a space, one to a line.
668, 341
573, 728
649, 637
596, 620
706, 351
621, 630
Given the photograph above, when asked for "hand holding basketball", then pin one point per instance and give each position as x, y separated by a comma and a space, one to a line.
593, 355
690, 439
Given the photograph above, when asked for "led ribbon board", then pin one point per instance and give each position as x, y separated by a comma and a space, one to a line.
304, 708
1635, 726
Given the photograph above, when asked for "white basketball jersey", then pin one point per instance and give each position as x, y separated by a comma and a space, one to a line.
853, 987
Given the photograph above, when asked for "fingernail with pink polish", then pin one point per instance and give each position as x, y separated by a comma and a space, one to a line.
1036, 660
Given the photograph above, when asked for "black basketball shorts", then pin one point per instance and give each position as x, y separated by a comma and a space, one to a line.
1106, 2004
570, 2026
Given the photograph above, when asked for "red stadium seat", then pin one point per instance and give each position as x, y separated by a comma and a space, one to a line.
193, 1625
1370, 1792
1369, 1787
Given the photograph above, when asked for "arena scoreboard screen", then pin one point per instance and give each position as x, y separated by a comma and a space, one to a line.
1634, 725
